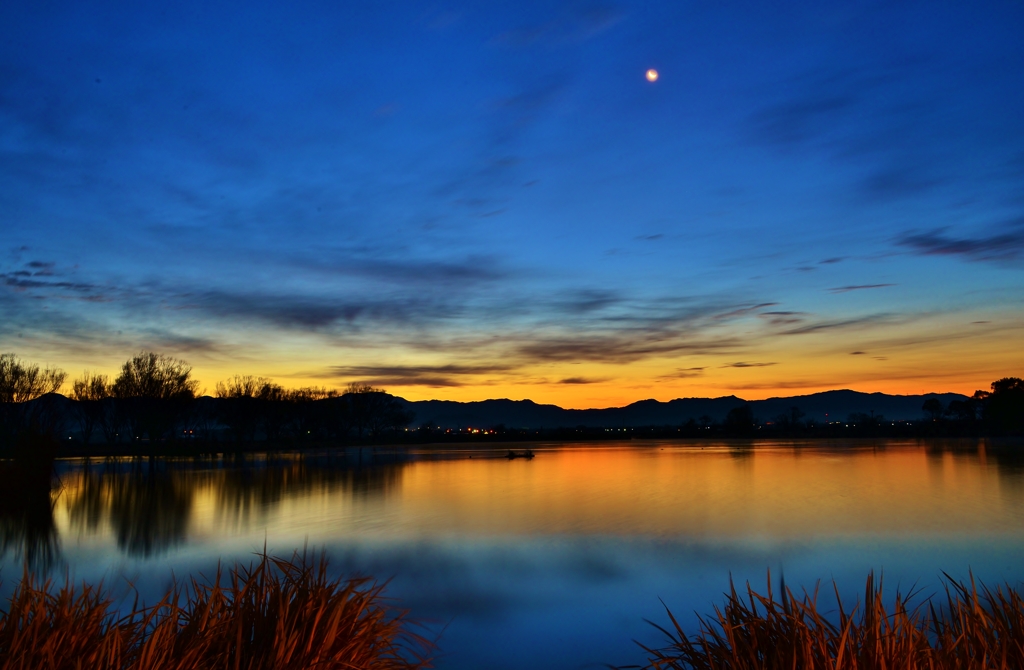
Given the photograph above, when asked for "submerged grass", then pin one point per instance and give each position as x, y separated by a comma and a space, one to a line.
274, 614
970, 628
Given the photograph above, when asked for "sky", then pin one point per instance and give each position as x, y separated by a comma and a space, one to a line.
490, 200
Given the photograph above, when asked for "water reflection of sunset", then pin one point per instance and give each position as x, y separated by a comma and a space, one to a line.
572, 549
722, 491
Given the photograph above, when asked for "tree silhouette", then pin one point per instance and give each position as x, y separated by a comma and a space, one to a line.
374, 410
26, 405
89, 392
790, 420
275, 411
27, 526
1004, 406
21, 382
154, 392
29, 419
149, 511
242, 406
740, 420
963, 410
934, 408
309, 414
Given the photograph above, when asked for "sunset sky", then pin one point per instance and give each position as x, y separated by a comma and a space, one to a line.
486, 200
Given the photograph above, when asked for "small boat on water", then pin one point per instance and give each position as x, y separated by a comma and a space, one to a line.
528, 454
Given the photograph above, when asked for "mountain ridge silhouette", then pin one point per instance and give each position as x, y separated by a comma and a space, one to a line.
825, 406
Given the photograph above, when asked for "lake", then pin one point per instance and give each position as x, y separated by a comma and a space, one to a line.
555, 562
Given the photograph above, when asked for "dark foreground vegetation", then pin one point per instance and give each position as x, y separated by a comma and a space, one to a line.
968, 628
276, 614
290, 614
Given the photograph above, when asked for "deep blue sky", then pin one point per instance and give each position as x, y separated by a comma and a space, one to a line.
489, 199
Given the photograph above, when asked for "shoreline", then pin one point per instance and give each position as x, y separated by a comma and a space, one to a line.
194, 449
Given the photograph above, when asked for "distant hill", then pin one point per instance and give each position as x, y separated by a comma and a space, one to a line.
820, 407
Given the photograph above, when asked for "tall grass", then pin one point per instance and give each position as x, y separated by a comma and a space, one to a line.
970, 628
275, 614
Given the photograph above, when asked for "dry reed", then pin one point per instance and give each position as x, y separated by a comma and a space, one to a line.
276, 614
971, 628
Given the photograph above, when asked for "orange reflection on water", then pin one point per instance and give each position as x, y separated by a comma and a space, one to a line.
716, 491
772, 492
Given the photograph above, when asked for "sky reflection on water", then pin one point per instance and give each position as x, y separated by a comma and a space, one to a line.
555, 562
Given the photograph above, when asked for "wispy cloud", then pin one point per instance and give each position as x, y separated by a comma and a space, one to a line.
424, 274
789, 384
45, 279
163, 340
589, 301
782, 317
857, 287
620, 347
304, 311
842, 324
414, 375
803, 117
579, 380
684, 373
742, 364
433, 307
1004, 245
356, 218
573, 24
15, 281
744, 311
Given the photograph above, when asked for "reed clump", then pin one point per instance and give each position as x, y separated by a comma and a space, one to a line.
281, 614
971, 627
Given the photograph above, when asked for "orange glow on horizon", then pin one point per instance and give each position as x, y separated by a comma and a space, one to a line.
934, 356
600, 386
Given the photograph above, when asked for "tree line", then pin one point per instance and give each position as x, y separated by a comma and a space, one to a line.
154, 398
999, 411
996, 412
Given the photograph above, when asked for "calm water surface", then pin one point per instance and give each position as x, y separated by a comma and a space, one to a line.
555, 562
